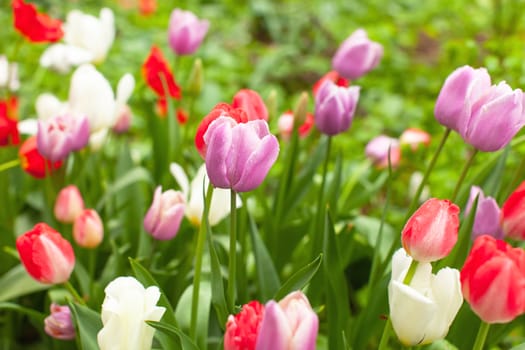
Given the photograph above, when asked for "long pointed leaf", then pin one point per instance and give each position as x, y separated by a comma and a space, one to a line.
299, 279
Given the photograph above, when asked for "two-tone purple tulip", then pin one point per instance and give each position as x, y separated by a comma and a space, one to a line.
61, 135
165, 214
486, 116
239, 155
335, 107
487, 217
186, 32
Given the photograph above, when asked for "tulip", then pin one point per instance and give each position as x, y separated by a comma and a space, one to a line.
158, 75
8, 74
62, 57
335, 107
9, 134
357, 55
59, 136
413, 185
239, 155
486, 116
286, 122
424, 310
251, 103
486, 219
331, 76
36, 27
147, 7
88, 230
69, 204
432, 231
414, 137
165, 214
186, 32
289, 324
46, 255
378, 149
125, 309
243, 328
512, 214
59, 324
493, 280
33, 162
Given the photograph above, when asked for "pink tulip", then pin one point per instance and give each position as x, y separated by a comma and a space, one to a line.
286, 122
59, 324
61, 135
290, 324
239, 155
414, 137
242, 329
88, 230
432, 231
487, 217
69, 204
357, 55
186, 32
164, 216
377, 151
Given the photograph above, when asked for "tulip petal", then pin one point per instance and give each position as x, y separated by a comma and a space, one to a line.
275, 332
182, 180
218, 139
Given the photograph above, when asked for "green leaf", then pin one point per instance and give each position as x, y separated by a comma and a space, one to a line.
135, 175
88, 324
217, 286
183, 311
36, 316
187, 343
16, 282
299, 279
441, 345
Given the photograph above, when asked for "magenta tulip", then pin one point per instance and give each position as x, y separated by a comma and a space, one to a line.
378, 148
186, 31
487, 217
164, 216
59, 324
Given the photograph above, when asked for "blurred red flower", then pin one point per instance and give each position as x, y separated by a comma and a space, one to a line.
33, 162
36, 27
158, 75
9, 122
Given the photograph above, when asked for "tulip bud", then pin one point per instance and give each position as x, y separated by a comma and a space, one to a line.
432, 231
196, 78
301, 108
47, 256
243, 328
164, 216
88, 230
486, 220
59, 324
69, 204
513, 214
186, 32
378, 149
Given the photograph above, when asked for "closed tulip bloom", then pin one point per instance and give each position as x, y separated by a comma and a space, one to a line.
59, 324
88, 230
335, 107
432, 231
46, 255
486, 116
493, 280
186, 32
357, 55
251, 103
125, 309
378, 148
35, 26
423, 311
290, 324
158, 75
61, 135
165, 214
513, 214
239, 155
243, 328
69, 204
487, 217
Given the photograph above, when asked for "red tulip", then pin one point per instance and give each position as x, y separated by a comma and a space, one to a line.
243, 328
250, 101
513, 214
493, 280
33, 162
46, 255
158, 75
432, 231
37, 27
9, 122
333, 76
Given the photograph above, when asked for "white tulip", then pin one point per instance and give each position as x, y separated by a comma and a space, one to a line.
61, 57
8, 74
125, 309
220, 202
423, 311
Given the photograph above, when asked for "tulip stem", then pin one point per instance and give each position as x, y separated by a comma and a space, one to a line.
199, 251
411, 272
463, 175
482, 336
74, 293
9, 165
383, 344
233, 251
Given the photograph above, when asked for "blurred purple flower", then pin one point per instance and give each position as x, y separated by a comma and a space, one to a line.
239, 155
486, 116
186, 31
357, 55
59, 324
377, 151
61, 135
335, 107
165, 214
487, 217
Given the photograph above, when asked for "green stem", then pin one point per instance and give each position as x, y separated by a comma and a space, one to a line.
482, 336
8, 165
463, 175
74, 293
199, 251
387, 331
411, 272
233, 251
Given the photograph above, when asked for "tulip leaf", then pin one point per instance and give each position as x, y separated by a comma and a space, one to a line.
183, 311
135, 175
36, 316
16, 282
217, 286
186, 342
266, 273
88, 324
299, 279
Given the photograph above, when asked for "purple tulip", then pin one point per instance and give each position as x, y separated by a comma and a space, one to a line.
239, 155
289, 324
164, 216
186, 31
377, 151
61, 135
357, 55
335, 107
59, 324
487, 217
486, 116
